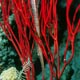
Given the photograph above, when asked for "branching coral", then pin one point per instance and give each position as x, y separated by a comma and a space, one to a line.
40, 25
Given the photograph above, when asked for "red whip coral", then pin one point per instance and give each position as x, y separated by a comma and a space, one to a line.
35, 22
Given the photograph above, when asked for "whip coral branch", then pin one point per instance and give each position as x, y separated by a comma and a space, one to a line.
36, 24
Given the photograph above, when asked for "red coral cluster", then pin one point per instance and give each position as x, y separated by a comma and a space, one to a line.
26, 13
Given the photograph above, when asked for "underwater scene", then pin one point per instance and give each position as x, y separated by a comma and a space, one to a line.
39, 39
